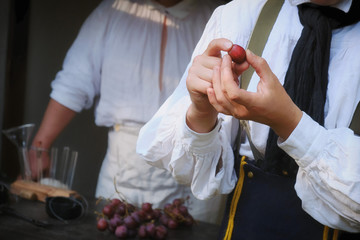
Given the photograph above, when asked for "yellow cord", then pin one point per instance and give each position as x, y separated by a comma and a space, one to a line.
335, 234
235, 201
325, 233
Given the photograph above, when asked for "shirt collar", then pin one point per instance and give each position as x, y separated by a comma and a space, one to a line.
180, 10
343, 5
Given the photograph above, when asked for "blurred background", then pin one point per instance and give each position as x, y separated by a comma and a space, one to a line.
34, 38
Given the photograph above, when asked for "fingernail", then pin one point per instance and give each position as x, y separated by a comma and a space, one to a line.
227, 44
250, 52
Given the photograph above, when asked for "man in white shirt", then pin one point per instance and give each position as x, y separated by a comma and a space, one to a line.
195, 130
127, 58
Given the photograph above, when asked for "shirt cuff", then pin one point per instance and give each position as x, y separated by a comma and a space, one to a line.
305, 142
201, 142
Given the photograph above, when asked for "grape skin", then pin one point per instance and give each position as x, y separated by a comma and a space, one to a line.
121, 231
102, 224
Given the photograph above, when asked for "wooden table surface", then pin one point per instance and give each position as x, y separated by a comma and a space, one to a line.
12, 228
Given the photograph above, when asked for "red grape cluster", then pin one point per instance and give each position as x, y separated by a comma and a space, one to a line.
127, 221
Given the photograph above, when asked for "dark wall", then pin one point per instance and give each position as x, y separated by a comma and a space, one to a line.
4, 42
15, 34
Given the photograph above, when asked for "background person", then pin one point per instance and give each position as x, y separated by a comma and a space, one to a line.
127, 58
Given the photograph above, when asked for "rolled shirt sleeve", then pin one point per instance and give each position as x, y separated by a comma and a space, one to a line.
191, 157
329, 172
76, 85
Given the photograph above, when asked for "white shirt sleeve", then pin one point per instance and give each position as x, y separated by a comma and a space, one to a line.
166, 142
76, 85
191, 157
194, 156
328, 180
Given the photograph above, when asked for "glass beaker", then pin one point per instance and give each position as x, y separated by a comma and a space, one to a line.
61, 174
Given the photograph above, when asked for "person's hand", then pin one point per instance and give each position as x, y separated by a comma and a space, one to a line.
39, 162
270, 105
201, 115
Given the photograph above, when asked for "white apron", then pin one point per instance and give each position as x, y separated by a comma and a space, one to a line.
139, 182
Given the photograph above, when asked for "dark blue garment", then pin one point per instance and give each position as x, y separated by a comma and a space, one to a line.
268, 208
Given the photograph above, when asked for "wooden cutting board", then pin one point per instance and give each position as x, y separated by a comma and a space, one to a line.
36, 191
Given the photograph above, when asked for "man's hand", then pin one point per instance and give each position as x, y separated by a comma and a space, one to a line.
39, 162
270, 105
201, 116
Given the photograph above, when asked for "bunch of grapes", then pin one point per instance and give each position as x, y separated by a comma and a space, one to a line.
127, 221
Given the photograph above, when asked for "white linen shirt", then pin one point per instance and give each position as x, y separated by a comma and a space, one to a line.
115, 59
328, 180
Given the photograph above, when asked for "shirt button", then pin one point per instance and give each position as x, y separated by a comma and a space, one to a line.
250, 174
285, 173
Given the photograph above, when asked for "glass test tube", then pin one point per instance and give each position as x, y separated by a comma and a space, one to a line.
71, 169
53, 162
64, 164
39, 168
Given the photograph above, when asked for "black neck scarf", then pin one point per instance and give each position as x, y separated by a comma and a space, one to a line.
307, 77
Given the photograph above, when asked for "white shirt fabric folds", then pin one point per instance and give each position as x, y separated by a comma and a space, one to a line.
328, 180
115, 60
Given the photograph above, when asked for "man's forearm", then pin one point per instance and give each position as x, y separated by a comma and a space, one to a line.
55, 119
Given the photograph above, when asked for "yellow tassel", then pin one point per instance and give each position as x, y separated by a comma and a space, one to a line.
335, 234
325, 233
235, 201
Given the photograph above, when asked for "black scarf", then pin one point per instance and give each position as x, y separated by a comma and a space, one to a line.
307, 77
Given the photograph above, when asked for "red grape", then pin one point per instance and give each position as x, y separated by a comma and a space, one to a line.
120, 209
177, 202
111, 228
102, 224
108, 211
136, 217
130, 222
141, 214
115, 221
172, 224
164, 219
183, 210
168, 207
237, 54
130, 207
150, 229
142, 232
177, 214
115, 202
147, 207
157, 213
160, 232
121, 231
